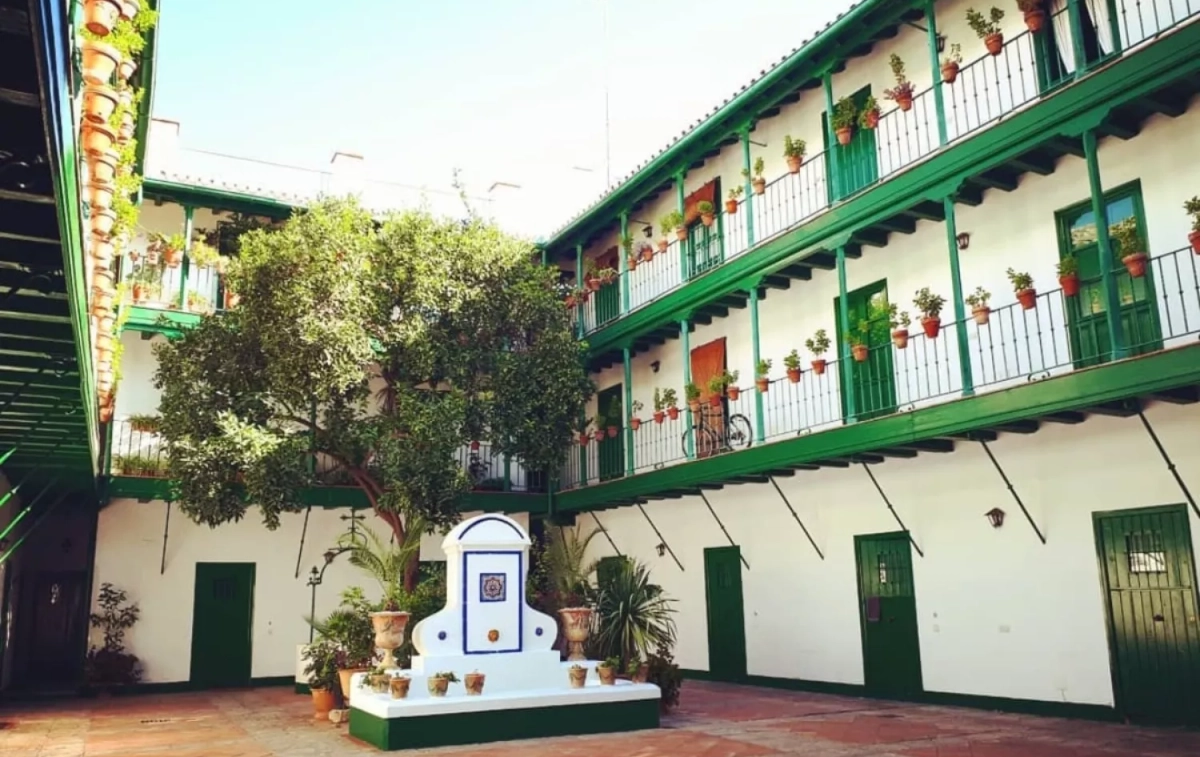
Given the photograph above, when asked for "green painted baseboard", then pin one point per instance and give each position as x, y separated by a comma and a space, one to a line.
1000, 704
503, 725
301, 688
175, 687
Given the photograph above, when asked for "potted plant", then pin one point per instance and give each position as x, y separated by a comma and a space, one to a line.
203, 255
902, 93
660, 407
577, 675
952, 63
98, 138
100, 194
869, 118
636, 670
612, 418
98, 61
1068, 275
198, 303
607, 670
762, 373
930, 305
692, 393
731, 200
1129, 240
716, 387
144, 424
634, 421
130, 8
671, 402
474, 683
584, 435
899, 322
791, 361
99, 103
1022, 284
377, 680
1192, 208
845, 113
818, 345
793, 152
1035, 14
102, 167
109, 665
349, 628
858, 342
399, 685
171, 248
757, 182
600, 424
644, 250
439, 683
100, 16
978, 302
707, 213
987, 28
731, 388
673, 221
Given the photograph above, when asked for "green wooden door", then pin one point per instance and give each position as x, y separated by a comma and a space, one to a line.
888, 606
608, 302
1149, 577
706, 245
726, 619
611, 449
1087, 313
874, 380
222, 624
857, 162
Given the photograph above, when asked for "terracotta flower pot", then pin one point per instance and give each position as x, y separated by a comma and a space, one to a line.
708, 219
102, 249
398, 687
860, 352
598, 435
130, 8
733, 392
1027, 298
900, 338
1035, 19
904, 101
125, 69
762, 384
102, 301
389, 633
232, 299
714, 400
98, 139
100, 194
577, 676
794, 162
583, 440
982, 314
694, 406
344, 677
635, 423
103, 220
1069, 284
845, 135
172, 257
1135, 264
932, 326
125, 130
950, 72
105, 324
663, 244
673, 413
731, 207
139, 293
659, 416
870, 120
994, 43
759, 185
793, 375
631, 262
1194, 240
640, 675
577, 626
473, 682
99, 103
681, 233
607, 675
102, 278
100, 16
648, 253
102, 166
438, 687
612, 432
818, 366
99, 61
323, 701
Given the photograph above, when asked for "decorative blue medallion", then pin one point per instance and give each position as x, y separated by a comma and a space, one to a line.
441, 635
492, 587
538, 630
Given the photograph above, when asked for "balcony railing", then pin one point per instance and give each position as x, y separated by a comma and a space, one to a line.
1013, 345
987, 89
185, 287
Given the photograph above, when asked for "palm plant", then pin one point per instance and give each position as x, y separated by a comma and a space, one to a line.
384, 561
568, 566
636, 618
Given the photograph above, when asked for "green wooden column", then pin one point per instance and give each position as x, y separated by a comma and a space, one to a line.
188, 212
936, 66
583, 477
629, 461
680, 204
623, 256
960, 308
1108, 284
845, 364
685, 339
759, 426
747, 187
831, 155
579, 329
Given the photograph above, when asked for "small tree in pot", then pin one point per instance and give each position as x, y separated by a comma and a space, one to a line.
757, 182
818, 345
978, 302
869, 118
1068, 275
673, 221
731, 200
791, 361
902, 93
857, 338
732, 390
717, 385
321, 669
762, 378
634, 421
899, 322
793, 152
671, 402
1022, 284
845, 113
1192, 208
952, 63
707, 213
930, 305
692, 393
1035, 14
988, 28
1130, 246
660, 407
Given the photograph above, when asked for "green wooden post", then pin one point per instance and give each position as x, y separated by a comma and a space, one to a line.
624, 263
579, 285
831, 155
629, 461
759, 432
938, 100
747, 187
845, 364
544, 255
188, 211
686, 340
680, 204
583, 477
508, 473
1108, 284
956, 293
1076, 19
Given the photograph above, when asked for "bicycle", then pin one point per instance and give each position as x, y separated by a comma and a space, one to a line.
735, 432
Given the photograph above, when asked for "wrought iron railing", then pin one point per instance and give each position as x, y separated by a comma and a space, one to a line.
185, 287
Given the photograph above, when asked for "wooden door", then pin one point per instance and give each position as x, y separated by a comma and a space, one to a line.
608, 298
857, 162
611, 449
726, 617
875, 379
222, 624
58, 628
888, 606
708, 360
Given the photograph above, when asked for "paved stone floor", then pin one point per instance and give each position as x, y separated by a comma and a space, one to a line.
714, 720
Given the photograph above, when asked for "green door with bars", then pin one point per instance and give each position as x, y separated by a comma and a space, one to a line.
1087, 313
1148, 572
222, 624
608, 302
726, 618
706, 246
888, 613
611, 449
875, 379
857, 162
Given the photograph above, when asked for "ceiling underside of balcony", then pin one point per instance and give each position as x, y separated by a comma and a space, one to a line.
43, 432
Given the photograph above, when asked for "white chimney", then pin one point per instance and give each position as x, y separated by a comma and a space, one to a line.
162, 147
347, 174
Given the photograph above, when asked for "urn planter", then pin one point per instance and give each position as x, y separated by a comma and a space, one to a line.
577, 676
577, 626
389, 633
474, 683
607, 675
438, 686
398, 687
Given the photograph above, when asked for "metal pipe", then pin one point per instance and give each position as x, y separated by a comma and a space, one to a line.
732, 543
799, 522
658, 533
1012, 490
895, 514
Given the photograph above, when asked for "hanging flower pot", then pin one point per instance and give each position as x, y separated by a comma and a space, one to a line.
592, 283
100, 16
659, 416
904, 100
598, 434
982, 314
1194, 240
731, 207
681, 233
818, 366
694, 405
708, 219
860, 353
100, 194
793, 375
232, 299
99, 103
932, 326
172, 257
98, 139
1027, 298
870, 121
762, 384
733, 392
126, 68
125, 131
673, 412
98, 61
104, 346
1069, 284
663, 244
1135, 264
612, 432
631, 262
994, 43
900, 338
1035, 19
647, 252
139, 293
103, 166
103, 220
104, 376
635, 423
106, 323
760, 185
794, 162
130, 8
102, 278
950, 71
714, 400
845, 135
102, 249
106, 411
583, 439
102, 301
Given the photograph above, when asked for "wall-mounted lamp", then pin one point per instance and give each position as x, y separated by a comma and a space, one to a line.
648, 231
964, 240
995, 516
661, 548
941, 43
655, 366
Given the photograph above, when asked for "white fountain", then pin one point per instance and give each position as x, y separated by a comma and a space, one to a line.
486, 627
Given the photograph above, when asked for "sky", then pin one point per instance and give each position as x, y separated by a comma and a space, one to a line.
509, 91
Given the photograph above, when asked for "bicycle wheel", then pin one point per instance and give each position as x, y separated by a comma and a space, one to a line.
704, 438
739, 433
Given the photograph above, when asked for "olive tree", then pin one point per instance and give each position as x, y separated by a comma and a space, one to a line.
379, 348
